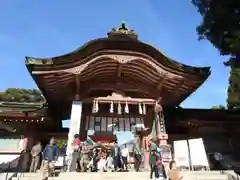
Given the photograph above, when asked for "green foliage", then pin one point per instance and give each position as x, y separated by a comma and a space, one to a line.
60, 143
21, 95
233, 99
218, 107
220, 24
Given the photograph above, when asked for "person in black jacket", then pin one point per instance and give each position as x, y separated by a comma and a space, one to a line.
162, 172
116, 156
49, 157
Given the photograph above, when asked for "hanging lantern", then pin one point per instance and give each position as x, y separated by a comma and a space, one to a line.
126, 109
119, 110
111, 107
140, 108
96, 106
144, 108
93, 107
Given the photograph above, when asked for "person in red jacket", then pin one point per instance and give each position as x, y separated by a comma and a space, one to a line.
76, 154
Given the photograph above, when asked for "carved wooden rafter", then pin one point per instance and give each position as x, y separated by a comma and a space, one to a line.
110, 86
134, 68
143, 87
57, 68
120, 98
176, 90
77, 87
160, 85
122, 59
119, 72
179, 85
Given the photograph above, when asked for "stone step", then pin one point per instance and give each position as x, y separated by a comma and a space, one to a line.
105, 175
212, 177
28, 174
32, 178
208, 172
207, 175
140, 176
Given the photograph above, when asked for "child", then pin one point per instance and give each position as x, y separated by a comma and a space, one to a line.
109, 163
102, 164
125, 158
153, 164
174, 173
161, 172
156, 165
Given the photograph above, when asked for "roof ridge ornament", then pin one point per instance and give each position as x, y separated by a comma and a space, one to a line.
123, 32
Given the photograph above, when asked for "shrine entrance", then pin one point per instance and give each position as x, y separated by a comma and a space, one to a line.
107, 115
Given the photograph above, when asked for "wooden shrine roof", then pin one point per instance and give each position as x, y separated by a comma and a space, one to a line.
117, 63
18, 110
25, 117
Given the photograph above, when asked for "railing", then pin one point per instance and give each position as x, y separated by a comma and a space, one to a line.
10, 167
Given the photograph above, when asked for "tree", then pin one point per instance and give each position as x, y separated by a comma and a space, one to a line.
218, 107
221, 26
233, 99
60, 143
21, 95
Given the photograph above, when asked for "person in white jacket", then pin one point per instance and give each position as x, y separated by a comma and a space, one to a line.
125, 157
109, 164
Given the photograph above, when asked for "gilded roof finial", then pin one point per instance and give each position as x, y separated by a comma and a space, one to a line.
123, 30
123, 25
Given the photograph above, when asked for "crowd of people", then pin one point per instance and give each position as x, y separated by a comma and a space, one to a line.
104, 157
112, 158
108, 157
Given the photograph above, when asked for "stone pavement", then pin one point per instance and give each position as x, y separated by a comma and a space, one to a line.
203, 175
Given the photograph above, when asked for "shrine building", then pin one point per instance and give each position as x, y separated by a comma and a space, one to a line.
110, 84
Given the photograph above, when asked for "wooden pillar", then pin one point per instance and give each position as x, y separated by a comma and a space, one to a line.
162, 136
147, 152
75, 118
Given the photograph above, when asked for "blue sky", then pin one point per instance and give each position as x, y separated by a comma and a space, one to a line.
50, 28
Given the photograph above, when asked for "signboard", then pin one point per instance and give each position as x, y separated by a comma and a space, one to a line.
190, 153
181, 153
198, 153
124, 137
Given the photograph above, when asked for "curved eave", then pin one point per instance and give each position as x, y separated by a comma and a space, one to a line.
21, 105
193, 90
58, 86
21, 109
66, 61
